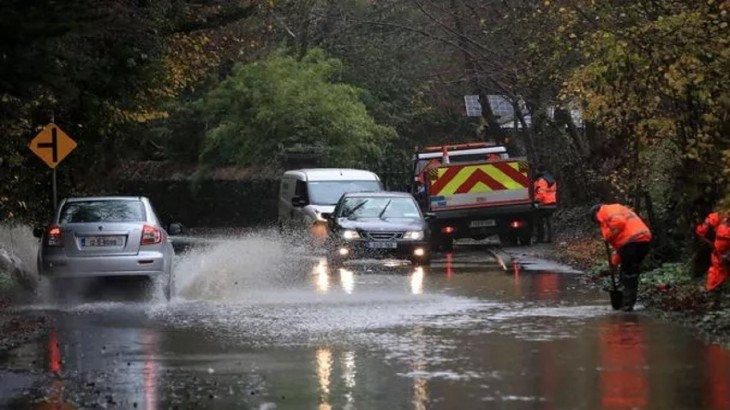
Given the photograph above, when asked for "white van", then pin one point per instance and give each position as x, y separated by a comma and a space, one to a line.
305, 194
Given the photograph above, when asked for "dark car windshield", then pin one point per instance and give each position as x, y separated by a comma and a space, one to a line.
379, 207
329, 192
102, 211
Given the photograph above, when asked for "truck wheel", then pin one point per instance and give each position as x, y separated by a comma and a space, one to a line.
447, 244
508, 239
526, 237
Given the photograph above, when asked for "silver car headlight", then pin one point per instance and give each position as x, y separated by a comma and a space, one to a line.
413, 235
350, 234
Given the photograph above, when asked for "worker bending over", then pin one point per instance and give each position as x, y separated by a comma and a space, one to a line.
630, 237
718, 225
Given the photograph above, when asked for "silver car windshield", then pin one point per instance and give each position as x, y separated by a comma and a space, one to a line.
103, 211
329, 192
381, 207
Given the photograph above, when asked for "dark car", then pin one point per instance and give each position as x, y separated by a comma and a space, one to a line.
371, 224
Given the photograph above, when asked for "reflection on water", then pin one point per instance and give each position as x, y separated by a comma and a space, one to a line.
449, 265
54, 353
383, 343
322, 281
517, 283
547, 285
321, 275
349, 375
717, 377
417, 281
56, 399
548, 375
148, 338
325, 367
420, 383
324, 374
623, 374
135, 381
347, 280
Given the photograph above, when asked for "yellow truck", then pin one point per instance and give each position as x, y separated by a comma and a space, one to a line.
474, 191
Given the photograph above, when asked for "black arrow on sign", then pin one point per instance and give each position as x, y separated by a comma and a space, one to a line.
53, 145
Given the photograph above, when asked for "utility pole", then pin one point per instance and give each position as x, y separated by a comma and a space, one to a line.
53, 173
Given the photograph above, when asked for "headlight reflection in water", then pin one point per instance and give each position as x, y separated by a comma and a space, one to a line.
417, 280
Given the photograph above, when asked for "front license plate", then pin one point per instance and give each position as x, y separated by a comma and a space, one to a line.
486, 223
382, 245
102, 241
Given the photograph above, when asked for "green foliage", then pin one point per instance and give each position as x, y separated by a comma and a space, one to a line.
668, 273
653, 74
671, 288
279, 102
91, 65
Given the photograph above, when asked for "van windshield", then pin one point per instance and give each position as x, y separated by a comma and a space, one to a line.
329, 192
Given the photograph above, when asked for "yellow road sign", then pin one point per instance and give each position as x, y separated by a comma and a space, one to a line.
52, 145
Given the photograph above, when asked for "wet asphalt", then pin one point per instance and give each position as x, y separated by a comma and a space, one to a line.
258, 325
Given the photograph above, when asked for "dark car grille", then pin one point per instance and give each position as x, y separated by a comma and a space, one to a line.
383, 236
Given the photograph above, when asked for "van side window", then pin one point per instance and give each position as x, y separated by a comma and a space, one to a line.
301, 190
285, 188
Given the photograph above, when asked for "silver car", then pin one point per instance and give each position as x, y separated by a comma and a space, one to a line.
106, 237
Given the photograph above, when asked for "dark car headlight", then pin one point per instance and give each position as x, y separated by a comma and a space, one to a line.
413, 235
350, 234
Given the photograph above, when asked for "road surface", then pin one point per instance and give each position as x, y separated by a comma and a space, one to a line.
259, 325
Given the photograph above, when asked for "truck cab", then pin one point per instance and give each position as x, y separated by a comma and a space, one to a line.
474, 191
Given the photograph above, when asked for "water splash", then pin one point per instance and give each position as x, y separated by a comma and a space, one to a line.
231, 267
18, 249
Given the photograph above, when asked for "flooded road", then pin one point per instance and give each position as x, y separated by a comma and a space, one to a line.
257, 327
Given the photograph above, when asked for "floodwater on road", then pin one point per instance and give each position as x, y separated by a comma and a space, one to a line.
258, 325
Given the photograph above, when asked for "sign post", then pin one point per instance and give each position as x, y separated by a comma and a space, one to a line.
52, 145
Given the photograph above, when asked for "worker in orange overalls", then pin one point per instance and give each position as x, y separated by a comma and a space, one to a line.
630, 238
546, 200
718, 225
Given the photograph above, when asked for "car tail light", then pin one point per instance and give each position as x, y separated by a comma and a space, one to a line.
54, 236
151, 235
516, 224
448, 230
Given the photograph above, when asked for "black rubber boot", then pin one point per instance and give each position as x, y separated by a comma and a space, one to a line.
630, 291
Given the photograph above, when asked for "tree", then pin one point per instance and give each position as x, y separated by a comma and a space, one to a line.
91, 65
280, 102
653, 76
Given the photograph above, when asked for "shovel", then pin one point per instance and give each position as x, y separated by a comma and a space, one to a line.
615, 294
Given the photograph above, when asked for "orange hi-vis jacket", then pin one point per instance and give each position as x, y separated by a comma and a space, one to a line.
718, 272
721, 225
620, 225
545, 194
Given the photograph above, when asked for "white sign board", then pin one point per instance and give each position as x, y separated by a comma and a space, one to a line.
473, 108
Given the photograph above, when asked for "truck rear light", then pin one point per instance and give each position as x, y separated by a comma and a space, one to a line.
448, 230
151, 235
54, 236
517, 224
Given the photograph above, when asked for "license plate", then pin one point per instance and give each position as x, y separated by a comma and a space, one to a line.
102, 241
382, 245
483, 224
